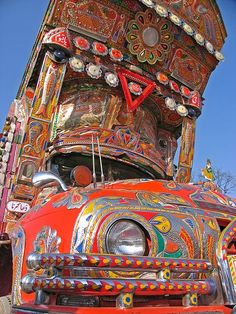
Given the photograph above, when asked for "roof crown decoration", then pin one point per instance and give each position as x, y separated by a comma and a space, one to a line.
167, 12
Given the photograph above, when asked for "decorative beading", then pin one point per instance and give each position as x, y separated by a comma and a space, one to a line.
166, 12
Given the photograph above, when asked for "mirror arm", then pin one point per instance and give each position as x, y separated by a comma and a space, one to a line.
43, 178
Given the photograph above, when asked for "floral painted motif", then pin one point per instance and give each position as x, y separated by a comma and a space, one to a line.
111, 79
81, 43
72, 200
149, 37
160, 199
115, 54
99, 49
125, 137
135, 88
58, 37
205, 198
187, 70
76, 64
93, 70
47, 241
162, 78
90, 17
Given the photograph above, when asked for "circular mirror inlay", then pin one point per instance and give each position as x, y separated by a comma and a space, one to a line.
150, 36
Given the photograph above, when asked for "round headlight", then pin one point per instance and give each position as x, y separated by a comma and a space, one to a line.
125, 237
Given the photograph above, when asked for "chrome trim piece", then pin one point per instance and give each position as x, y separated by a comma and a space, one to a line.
65, 278
43, 178
94, 170
43, 261
100, 161
106, 286
140, 221
18, 247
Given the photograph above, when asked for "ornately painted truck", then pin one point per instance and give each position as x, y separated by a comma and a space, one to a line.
95, 217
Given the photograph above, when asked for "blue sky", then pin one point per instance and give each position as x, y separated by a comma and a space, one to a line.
216, 128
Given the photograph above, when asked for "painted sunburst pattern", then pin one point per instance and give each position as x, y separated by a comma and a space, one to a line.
149, 37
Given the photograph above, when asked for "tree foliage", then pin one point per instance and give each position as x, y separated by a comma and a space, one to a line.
225, 181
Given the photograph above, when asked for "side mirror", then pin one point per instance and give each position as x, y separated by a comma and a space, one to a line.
43, 178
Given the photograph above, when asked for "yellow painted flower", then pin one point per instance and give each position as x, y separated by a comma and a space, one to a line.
166, 274
193, 299
128, 299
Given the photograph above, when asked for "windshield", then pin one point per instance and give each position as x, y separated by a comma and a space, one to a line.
64, 164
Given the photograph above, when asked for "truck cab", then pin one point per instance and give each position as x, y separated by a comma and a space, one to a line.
95, 215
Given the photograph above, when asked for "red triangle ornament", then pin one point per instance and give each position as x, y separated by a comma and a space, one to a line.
125, 75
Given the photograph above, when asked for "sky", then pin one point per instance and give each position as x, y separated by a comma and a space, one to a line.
216, 128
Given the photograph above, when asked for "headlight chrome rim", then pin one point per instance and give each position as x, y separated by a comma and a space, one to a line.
123, 242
